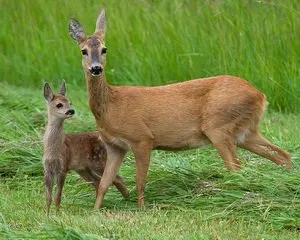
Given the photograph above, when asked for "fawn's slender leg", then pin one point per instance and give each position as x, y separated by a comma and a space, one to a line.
120, 185
226, 147
49, 180
86, 176
142, 154
259, 145
115, 156
95, 175
60, 184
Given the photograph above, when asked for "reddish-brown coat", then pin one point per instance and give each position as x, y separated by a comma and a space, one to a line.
223, 111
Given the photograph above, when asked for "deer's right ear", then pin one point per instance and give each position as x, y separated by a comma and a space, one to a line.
63, 88
76, 30
48, 93
101, 24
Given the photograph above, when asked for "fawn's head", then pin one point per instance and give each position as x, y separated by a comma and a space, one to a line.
92, 47
58, 105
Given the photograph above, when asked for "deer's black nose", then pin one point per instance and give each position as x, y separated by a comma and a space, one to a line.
70, 112
96, 70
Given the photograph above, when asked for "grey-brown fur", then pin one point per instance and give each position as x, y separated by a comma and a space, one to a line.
83, 153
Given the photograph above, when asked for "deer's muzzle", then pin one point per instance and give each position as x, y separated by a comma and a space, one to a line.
70, 112
96, 70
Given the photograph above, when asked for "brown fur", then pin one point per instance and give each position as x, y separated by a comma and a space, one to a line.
83, 153
223, 111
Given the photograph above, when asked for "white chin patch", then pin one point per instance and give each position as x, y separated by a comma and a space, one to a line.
95, 75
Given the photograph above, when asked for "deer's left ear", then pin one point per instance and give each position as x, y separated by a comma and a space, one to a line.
76, 30
63, 88
101, 24
48, 93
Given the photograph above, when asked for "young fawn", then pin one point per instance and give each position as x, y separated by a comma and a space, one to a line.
223, 111
84, 152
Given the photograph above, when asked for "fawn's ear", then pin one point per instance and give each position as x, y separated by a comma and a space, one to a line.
63, 88
48, 93
101, 24
76, 30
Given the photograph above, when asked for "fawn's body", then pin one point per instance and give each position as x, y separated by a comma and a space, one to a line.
83, 153
223, 111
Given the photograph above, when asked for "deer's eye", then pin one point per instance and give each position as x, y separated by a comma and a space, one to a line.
84, 52
59, 105
103, 51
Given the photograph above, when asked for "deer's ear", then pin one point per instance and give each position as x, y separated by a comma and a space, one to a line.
48, 93
76, 30
63, 88
101, 24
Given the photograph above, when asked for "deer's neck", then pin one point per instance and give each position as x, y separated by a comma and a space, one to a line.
54, 138
99, 92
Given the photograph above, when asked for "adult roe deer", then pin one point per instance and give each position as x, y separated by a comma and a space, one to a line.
223, 111
83, 152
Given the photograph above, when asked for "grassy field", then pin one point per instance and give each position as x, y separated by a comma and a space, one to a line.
189, 195
157, 42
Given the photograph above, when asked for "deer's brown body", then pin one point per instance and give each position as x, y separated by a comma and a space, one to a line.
180, 116
223, 111
83, 152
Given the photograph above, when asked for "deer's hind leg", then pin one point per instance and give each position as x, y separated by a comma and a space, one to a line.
259, 145
120, 185
226, 147
95, 176
86, 176
89, 176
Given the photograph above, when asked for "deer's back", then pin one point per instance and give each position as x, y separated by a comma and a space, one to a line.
199, 96
84, 150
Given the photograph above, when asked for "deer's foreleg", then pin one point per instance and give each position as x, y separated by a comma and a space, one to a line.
142, 154
60, 184
115, 156
49, 180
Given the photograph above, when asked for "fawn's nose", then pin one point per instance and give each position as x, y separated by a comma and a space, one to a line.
70, 112
96, 70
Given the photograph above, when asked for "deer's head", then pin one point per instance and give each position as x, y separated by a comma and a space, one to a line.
92, 47
58, 105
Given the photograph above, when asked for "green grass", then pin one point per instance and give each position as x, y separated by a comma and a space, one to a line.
158, 42
189, 195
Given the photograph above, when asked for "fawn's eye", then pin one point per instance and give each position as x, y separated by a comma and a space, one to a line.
84, 52
103, 51
59, 105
